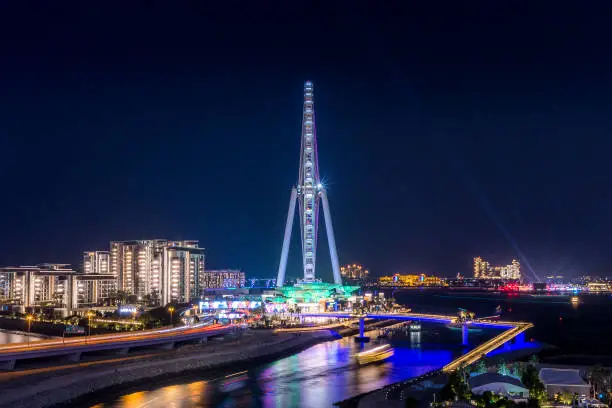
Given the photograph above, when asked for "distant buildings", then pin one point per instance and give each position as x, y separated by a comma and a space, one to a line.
354, 272
223, 279
410, 280
484, 270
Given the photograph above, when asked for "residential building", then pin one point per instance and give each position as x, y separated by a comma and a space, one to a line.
484, 270
91, 289
171, 271
55, 285
35, 285
96, 288
96, 262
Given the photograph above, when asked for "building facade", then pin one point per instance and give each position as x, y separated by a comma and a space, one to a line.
96, 262
223, 278
97, 288
410, 280
354, 272
484, 270
35, 285
53, 285
170, 271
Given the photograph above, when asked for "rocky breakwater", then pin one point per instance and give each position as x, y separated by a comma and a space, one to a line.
61, 385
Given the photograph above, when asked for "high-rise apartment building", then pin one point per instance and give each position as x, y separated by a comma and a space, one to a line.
171, 271
481, 268
96, 262
92, 287
484, 270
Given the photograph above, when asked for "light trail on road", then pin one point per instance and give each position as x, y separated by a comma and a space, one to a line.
14, 348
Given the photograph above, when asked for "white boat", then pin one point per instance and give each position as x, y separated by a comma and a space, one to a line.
374, 355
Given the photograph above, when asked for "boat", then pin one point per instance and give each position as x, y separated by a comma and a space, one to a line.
575, 299
374, 355
416, 326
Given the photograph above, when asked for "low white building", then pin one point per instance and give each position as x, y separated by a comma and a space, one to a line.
498, 384
557, 380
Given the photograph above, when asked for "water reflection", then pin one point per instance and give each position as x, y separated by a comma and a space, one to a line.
9, 337
318, 376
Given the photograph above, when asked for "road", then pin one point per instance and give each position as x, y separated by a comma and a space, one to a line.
14, 348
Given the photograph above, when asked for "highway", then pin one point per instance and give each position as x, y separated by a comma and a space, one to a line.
10, 353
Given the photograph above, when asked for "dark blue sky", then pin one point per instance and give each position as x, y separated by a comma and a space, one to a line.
444, 132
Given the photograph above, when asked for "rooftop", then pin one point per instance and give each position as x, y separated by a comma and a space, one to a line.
489, 378
561, 376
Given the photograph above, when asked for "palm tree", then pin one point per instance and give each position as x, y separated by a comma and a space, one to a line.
122, 296
599, 377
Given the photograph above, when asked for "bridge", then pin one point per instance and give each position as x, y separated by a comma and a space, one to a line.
475, 354
512, 330
73, 348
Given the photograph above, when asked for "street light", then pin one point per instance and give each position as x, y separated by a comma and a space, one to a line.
29, 319
89, 315
171, 310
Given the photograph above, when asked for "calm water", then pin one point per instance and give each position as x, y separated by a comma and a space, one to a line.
8, 337
318, 376
582, 328
325, 373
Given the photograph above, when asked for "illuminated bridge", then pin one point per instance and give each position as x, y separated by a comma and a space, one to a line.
73, 348
512, 330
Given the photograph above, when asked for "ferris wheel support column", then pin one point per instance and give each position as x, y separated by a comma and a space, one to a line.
282, 266
333, 254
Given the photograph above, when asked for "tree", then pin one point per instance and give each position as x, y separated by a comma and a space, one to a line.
122, 296
566, 398
456, 387
516, 372
599, 378
538, 391
531, 380
533, 403
489, 399
502, 368
411, 403
530, 377
481, 367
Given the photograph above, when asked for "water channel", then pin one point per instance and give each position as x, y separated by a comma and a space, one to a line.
316, 377
14, 337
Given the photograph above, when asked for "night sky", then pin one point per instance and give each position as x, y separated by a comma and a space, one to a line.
443, 132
